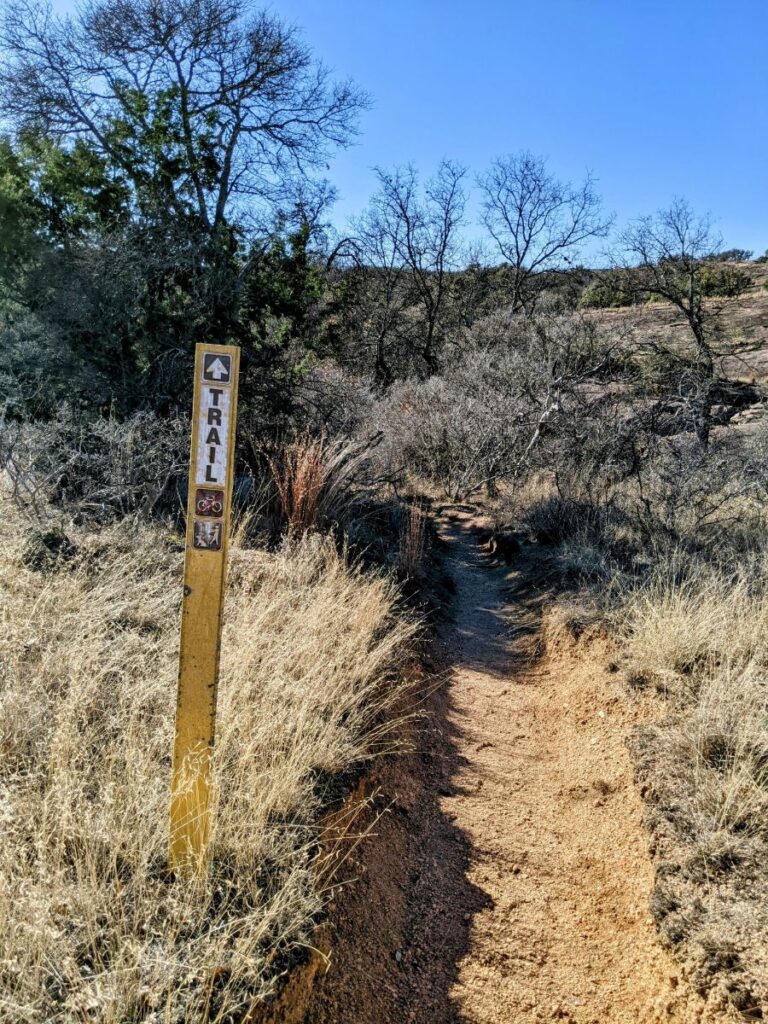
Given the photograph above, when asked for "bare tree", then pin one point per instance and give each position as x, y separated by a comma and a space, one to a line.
382, 297
411, 240
209, 100
537, 222
666, 255
430, 240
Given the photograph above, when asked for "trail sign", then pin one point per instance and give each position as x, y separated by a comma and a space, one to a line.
208, 518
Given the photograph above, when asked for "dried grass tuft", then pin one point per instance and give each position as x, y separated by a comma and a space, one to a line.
701, 635
313, 479
689, 620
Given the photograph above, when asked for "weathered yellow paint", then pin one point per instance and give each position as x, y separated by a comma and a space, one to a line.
204, 581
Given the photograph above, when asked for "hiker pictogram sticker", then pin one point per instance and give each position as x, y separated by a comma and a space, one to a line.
207, 536
217, 368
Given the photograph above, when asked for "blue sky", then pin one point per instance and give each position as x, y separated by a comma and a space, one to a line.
656, 97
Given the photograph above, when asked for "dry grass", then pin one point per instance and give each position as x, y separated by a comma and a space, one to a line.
726, 739
702, 638
92, 928
314, 478
690, 622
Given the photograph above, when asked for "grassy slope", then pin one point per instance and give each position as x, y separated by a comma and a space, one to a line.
745, 319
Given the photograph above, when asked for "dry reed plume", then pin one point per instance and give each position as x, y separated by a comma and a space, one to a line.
413, 539
313, 478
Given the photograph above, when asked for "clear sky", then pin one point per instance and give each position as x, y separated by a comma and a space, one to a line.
656, 97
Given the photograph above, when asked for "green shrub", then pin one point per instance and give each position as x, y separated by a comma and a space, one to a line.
604, 295
727, 282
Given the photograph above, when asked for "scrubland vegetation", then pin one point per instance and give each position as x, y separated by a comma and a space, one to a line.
612, 415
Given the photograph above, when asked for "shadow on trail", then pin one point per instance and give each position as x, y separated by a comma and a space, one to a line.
499, 617
400, 933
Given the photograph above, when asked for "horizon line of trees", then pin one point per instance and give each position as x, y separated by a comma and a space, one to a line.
161, 183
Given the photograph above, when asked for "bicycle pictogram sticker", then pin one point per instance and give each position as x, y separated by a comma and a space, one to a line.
209, 503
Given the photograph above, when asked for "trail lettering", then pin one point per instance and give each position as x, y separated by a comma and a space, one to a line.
213, 435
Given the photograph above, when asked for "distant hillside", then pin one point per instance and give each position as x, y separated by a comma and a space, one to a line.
745, 319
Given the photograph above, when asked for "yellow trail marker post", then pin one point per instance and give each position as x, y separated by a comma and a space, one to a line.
208, 519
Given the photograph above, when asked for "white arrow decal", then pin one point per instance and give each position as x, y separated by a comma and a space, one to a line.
217, 370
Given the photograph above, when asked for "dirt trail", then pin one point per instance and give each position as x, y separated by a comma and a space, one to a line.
511, 882
547, 802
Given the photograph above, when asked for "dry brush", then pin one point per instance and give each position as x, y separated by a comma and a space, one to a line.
92, 927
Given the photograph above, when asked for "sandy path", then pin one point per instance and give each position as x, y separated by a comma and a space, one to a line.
546, 799
509, 882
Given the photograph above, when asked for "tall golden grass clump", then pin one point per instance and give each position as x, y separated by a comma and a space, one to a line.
683, 622
703, 640
313, 478
92, 927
